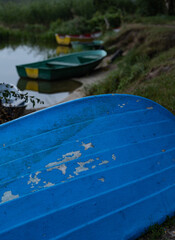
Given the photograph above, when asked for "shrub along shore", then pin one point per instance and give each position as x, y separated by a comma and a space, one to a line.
39, 20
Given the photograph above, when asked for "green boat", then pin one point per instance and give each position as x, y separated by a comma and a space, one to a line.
67, 66
96, 44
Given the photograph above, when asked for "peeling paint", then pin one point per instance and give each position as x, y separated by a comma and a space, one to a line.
81, 167
71, 156
87, 145
149, 108
8, 196
93, 167
70, 176
103, 162
62, 168
35, 179
113, 157
97, 158
121, 106
4, 145
49, 184
65, 158
101, 179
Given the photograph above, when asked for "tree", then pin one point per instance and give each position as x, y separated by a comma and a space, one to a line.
170, 6
150, 7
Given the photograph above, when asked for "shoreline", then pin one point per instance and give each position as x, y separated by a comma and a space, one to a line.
98, 75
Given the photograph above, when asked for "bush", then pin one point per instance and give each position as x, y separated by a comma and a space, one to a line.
77, 25
97, 23
150, 7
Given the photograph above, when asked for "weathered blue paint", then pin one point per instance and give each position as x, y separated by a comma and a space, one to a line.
100, 167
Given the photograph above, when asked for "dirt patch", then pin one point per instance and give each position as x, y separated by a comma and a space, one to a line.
158, 71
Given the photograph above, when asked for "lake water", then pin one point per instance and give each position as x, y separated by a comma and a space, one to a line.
49, 92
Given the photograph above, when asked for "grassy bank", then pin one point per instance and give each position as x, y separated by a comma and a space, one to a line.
147, 67
39, 20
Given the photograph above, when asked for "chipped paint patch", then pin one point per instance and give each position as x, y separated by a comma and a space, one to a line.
149, 108
121, 105
49, 184
101, 179
87, 145
163, 150
114, 157
65, 158
93, 167
71, 156
4, 145
35, 179
70, 176
61, 168
8, 196
103, 162
82, 167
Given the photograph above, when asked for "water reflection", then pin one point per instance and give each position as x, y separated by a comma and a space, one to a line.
48, 86
63, 50
12, 55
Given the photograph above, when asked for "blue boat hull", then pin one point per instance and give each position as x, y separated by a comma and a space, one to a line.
100, 167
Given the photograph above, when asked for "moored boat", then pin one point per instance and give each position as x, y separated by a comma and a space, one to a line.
100, 167
68, 39
68, 66
95, 44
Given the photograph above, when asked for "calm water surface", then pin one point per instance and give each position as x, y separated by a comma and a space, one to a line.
49, 92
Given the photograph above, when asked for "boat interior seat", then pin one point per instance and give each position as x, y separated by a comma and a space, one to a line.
55, 63
84, 59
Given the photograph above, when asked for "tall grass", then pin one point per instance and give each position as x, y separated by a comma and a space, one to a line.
147, 70
43, 11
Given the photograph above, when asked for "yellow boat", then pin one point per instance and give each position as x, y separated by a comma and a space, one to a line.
67, 39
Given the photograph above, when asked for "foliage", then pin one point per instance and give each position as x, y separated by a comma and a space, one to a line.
97, 22
4, 34
114, 5
159, 232
151, 8
78, 25
10, 93
148, 67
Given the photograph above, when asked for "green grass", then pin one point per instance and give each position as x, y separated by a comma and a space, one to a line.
159, 231
148, 68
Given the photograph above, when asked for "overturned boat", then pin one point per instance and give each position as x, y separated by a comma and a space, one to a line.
100, 167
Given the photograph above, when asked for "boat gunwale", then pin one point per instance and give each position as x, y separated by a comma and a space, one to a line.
67, 56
